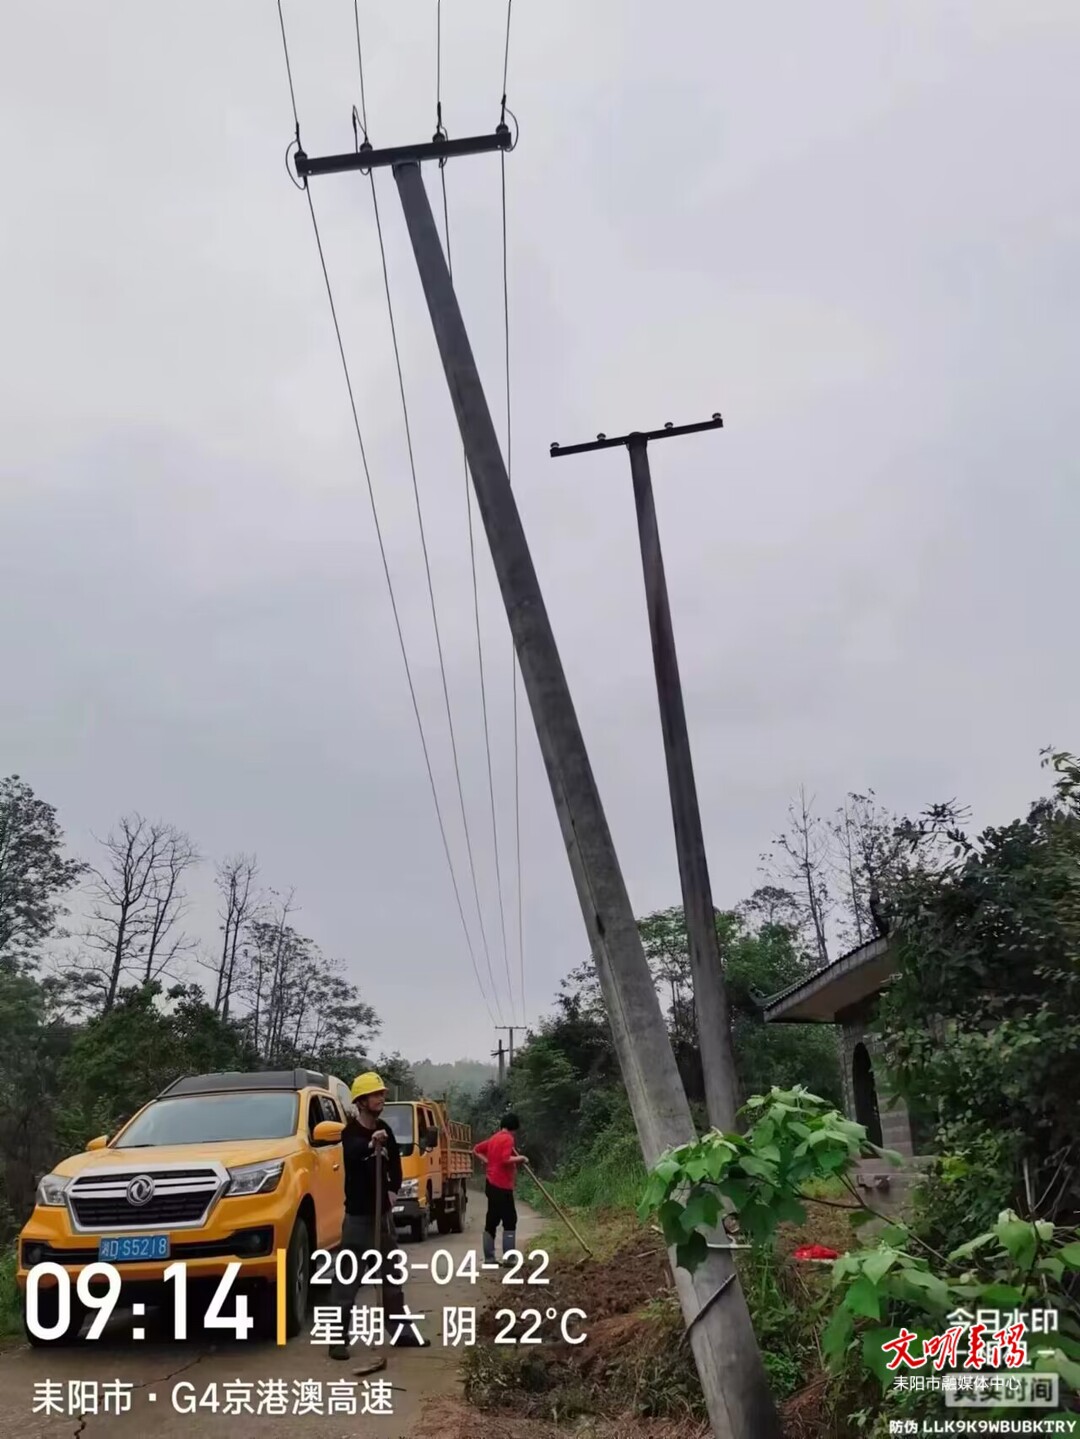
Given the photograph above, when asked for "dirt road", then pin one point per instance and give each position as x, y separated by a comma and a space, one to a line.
158, 1378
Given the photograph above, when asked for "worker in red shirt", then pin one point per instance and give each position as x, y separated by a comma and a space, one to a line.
500, 1155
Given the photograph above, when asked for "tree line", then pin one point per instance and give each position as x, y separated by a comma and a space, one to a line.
103, 1009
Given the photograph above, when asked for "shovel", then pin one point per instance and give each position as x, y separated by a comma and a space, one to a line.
561, 1213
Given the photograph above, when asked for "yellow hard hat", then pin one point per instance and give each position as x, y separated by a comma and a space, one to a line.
369, 1083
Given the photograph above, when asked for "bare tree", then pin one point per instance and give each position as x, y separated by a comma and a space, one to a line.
168, 903
137, 897
769, 906
801, 859
235, 879
302, 1010
874, 851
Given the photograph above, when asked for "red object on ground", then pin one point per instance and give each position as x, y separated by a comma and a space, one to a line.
815, 1251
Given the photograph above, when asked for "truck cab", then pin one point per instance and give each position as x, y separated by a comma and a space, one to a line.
218, 1168
436, 1165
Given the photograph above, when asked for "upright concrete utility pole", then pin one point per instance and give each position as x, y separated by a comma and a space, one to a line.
706, 967
500, 1055
511, 1028
732, 1375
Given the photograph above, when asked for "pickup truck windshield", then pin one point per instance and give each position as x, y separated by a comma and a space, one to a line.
400, 1119
206, 1118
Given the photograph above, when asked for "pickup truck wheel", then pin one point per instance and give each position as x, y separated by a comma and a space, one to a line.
297, 1289
48, 1313
297, 1279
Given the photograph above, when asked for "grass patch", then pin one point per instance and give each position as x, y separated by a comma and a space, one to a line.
10, 1307
613, 1180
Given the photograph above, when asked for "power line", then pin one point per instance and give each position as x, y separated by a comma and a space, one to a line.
472, 554
288, 69
382, 550
431, 596
394, 606
509, 476
506, 52
360, 66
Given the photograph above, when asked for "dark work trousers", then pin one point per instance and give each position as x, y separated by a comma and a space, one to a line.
501, 1209
358, 1235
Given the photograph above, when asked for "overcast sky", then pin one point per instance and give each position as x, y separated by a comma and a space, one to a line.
852, 228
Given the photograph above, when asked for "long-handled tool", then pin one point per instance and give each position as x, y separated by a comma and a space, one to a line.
378, 1363
560, 1212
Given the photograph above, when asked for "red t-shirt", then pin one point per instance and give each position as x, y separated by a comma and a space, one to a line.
497, 1151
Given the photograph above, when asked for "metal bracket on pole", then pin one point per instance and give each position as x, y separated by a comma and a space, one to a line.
368, 158
637, 437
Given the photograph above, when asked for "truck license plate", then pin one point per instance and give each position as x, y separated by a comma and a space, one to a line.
130, 1248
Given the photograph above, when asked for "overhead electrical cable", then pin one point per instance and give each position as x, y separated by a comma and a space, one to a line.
441, 130
509, 476
431, 595
382, 552
427, 562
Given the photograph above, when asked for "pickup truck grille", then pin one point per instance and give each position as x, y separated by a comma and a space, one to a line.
181, 1198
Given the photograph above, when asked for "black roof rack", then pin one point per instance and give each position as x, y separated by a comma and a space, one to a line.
236, 1079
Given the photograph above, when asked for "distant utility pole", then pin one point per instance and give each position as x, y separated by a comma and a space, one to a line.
511, 1028
706, 966
500, 1055
728, 1359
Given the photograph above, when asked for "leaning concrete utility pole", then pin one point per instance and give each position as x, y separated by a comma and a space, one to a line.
733, 1379
706, 966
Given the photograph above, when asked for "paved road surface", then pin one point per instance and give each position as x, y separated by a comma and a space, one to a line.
156, 1365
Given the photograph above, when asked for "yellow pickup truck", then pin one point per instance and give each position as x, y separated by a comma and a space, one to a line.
436, 1165
219, 1168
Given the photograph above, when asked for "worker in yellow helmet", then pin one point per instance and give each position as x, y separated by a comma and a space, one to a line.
366, 1137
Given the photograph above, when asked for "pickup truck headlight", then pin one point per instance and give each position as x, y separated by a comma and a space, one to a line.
408, 1189
52, 1190
255, 1178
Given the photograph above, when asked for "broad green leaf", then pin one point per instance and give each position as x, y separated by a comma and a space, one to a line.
789, 1210
837, 1334
979, 1242
702, 1212
859, 1217
1001, 1296
895, 1234
670, 1216
737, 1191
1018, 1238
863, 1298
878, 1262
1057, 1363
692, 1252
935, 1289
1070, 1254
874, 1357
758, 1167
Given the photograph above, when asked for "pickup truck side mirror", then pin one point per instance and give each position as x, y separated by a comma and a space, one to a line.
327, 1131
431, 1138
99, 1143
